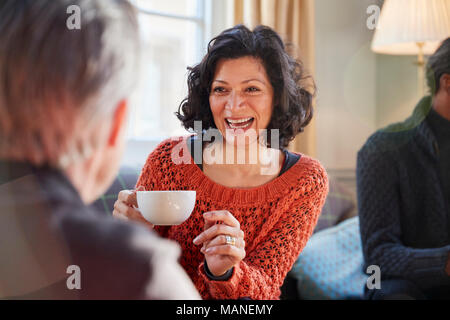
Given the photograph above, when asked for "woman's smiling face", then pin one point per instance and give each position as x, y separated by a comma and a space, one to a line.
241, 97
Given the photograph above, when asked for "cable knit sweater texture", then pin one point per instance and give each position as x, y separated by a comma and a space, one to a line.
402, 207
277, 218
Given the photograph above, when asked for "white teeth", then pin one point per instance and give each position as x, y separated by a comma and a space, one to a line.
239, 121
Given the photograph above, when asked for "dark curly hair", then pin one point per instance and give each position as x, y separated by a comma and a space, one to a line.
292, 99
438, 64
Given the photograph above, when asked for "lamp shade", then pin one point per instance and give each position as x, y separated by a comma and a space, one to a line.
404, 23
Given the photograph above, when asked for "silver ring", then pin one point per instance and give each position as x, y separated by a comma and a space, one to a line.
230, 240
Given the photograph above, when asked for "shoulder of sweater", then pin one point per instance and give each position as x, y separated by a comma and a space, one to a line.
164, 149
167, 145
103, 231
313, 174
310, 186
119, 246
390, 139
312, 164
397, 135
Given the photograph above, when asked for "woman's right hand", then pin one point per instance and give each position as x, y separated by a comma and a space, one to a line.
126, 207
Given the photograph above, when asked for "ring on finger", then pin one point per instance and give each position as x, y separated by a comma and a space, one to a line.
230, 240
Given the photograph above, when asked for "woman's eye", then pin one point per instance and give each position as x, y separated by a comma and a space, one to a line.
219, 89
252, 89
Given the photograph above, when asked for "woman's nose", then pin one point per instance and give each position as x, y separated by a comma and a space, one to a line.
235, 100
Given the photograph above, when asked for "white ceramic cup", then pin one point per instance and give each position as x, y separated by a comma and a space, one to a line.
166, 208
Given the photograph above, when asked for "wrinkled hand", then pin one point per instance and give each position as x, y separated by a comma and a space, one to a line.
126, 207
219, 255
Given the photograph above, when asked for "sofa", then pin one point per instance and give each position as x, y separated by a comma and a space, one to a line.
331, 264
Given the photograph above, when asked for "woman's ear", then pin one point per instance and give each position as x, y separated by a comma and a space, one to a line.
118, 122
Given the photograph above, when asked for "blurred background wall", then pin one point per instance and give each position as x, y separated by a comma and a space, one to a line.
358, 91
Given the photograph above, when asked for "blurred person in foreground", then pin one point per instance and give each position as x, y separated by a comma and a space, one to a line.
63, 108
403, 177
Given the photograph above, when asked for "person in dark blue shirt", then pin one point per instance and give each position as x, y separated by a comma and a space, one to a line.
403, 187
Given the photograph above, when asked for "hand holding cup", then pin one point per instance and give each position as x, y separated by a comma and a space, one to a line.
126, 207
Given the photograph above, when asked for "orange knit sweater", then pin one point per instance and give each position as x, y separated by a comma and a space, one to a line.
277, 218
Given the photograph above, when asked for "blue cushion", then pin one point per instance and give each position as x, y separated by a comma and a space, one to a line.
331, 264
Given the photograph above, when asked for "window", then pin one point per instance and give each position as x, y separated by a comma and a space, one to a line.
174, 34
174, 37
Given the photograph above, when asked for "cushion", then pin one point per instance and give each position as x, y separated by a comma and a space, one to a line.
331, 264
339, 205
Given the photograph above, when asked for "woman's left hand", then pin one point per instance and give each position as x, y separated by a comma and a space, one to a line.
221, 254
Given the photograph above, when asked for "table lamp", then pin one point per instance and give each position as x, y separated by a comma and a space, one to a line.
412, 27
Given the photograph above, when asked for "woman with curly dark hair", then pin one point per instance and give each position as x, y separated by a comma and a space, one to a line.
247, 100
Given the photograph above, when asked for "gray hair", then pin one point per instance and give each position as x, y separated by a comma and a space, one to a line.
438, 64
55, 83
